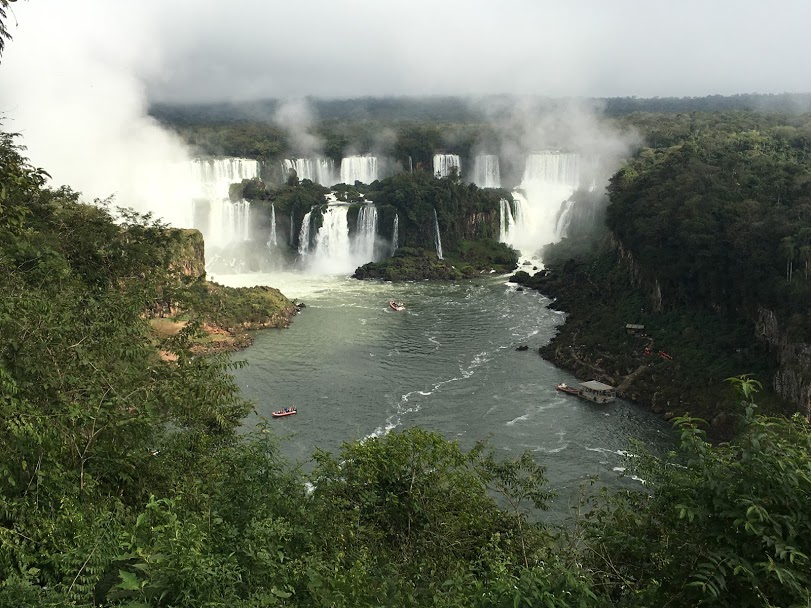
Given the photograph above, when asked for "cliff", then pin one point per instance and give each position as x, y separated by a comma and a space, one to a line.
792, 381
187, 256
677, 365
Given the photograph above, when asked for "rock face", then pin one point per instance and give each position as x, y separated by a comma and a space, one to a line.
188, 255
793, 380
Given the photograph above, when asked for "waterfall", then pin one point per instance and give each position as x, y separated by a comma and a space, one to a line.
395, 234
325, 172
318, 170
304, 235
486, 173
366, 233
549, 179
564, 218
302, 166
437, 238
506, 221
358, 169
445, 163
228, 221
272, 240
332, 239
331, 250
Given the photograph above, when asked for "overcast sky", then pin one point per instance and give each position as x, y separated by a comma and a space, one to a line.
205, 50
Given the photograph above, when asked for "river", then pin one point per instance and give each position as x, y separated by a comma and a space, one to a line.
448, 363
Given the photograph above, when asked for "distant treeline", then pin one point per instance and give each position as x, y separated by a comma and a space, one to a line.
466, 110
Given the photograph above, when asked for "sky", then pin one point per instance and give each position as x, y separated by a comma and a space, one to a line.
79, 76
209, 50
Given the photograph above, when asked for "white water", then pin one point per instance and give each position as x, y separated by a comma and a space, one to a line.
332, 251
331, 242
228, 221
318, 170
486, 173
565, 218
273, 240
445, 163
506, 223
304, 234
437, 238
366, 233
549, 179
395, 234
358, 169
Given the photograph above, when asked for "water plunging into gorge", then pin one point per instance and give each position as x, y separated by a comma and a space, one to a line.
486, 171
221, 220
359, 169
549, 179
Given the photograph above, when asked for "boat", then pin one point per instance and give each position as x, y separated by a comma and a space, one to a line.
288, 411
569, 390
592, 390
597, 392
398, 306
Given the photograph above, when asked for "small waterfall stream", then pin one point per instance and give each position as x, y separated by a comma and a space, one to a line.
273, 241
437, 238
304, 234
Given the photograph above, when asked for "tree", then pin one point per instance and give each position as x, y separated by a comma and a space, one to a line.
714, 525
5, 35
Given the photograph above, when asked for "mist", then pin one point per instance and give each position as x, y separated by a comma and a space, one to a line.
76, 93
298, 119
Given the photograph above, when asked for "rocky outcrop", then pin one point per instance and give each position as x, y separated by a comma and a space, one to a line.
638, 279
793, 379
188, 253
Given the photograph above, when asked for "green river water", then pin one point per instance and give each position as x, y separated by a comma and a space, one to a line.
448, 363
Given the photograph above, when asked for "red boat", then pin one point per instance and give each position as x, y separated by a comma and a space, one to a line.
569, 390
288, 411
398, 306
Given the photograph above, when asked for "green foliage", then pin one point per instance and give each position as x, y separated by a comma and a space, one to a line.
714, 526
739, 201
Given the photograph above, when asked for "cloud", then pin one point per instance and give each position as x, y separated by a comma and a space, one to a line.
251, 48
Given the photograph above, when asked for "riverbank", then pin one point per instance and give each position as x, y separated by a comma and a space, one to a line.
223, 316
676, 364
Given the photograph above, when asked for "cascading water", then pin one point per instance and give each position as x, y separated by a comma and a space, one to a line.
444, 164
486, 173
564, 219
318, 170
228, 221
358, 169
366, 233
437, 238
331, 241
506, 221
395, 234
304, 234
332, 250
273, 241
549, 179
